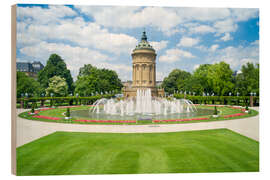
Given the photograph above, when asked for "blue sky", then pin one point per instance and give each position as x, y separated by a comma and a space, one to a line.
105, 36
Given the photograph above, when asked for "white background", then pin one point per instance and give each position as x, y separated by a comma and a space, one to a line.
5, 87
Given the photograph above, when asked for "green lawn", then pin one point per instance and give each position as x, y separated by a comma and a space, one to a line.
219, 150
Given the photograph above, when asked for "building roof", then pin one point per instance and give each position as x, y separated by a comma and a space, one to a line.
35, 66
144, 43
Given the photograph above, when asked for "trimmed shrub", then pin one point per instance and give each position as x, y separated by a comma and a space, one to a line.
68, 112
215, 111
33, 108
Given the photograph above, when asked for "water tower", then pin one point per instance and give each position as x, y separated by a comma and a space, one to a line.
143, 69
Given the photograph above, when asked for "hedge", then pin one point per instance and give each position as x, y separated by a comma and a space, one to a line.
60, 101
226, 100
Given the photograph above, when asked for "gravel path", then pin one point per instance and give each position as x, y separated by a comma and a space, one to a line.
28, 130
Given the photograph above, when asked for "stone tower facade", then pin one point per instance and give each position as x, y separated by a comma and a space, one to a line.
143, 69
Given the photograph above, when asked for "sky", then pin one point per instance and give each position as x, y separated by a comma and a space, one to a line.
105, 36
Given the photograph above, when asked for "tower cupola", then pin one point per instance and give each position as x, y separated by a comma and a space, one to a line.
144, 43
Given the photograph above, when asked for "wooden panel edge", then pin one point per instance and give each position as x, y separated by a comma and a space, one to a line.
13, 88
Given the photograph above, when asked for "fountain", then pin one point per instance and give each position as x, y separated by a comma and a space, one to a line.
140, 102
143, 104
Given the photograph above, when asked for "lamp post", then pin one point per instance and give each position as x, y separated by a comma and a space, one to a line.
42, 100
51, 94
251, 99
77, 98
22, 100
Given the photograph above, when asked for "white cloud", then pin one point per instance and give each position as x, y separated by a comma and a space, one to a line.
77, 31
204, 14
219, 20
226, 37
237, 56
243, 14
44, 15
172, 55
159, 45
225, 26
214, 47
132, 17
196, 66
188, 42
255, 43
210, 49
201, 29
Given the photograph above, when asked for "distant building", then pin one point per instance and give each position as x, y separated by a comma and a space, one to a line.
31, 69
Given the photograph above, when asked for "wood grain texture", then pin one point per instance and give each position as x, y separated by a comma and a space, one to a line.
13, 88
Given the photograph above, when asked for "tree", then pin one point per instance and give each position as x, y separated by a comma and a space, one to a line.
91, 80
55, 67
220, 78
194, 84
248, 80
57, 86
86, 70
27, 85
200, 79
177, 80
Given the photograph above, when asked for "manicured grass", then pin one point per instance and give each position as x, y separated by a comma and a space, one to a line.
59, 113
219, 150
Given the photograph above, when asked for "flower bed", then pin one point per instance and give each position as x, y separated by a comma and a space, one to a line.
179, 120
46, 117
106, 121
234, 115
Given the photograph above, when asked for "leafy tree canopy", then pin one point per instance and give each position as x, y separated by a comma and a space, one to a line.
200, 79
91, 80
214, 78
55, 67
220, 78
248, 80
177, 80
27, 85
57, 86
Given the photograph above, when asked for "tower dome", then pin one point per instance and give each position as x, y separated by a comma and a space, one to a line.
144, 43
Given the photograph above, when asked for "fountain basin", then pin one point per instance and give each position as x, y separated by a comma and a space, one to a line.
86, 114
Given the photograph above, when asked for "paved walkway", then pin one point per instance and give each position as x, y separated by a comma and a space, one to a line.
28, 130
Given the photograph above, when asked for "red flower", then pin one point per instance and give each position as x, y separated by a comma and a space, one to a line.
46, 117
